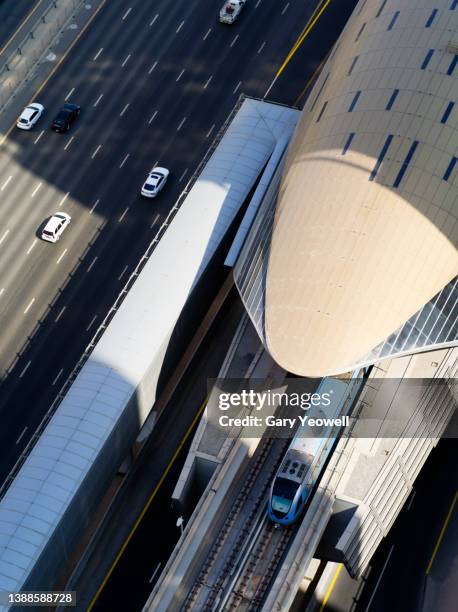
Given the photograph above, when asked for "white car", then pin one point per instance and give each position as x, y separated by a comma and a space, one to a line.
156, 180
30, 116
231, 10
55, 226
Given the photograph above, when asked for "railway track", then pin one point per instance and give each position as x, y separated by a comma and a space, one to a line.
239, 533
250, 583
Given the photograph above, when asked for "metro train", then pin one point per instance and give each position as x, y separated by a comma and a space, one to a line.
305, 458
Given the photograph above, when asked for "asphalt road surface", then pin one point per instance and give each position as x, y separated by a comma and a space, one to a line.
155, 81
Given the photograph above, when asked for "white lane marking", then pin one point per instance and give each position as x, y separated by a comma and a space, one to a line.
4, 236
379, 579
93, 207
60, 258
60, 314
35, 191
238, 85
154, 573
206, 35
68, 143
31, 247
208, 82
210, 131
29, 306
183, 175
257, 3
124, 110
69, 94
96, 151
122, 273
63, 199
152, 224
2, 290
126, 13
25, 428
98, 53
261, 47
91, 323
152, 68
181, 124
234, 40
125, 61
6, 182
285, 8
179, 27
123, 215
411, 500
179, 76
57, 377
38, 137
154, 19
124, 160
152, 117
98, 99
91, 265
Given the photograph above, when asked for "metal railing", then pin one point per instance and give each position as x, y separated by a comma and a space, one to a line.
16, 69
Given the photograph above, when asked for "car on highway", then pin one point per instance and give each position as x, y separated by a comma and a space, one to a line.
65, 117
155, 182
30, 116
55, 226
231, 10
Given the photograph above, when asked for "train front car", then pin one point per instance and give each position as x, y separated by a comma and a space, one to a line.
306, 458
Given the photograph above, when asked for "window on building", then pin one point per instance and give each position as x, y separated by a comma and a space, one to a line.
450, 168
453, 63
348, 143
447, 112
319, 92
323, 108
380, 10
393, 20
352, 65
405, 164
431, 18
363, 4
427, 59
381, 157
392, 99
360, 32
354, 101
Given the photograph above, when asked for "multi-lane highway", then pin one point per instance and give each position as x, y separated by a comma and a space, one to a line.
155, 81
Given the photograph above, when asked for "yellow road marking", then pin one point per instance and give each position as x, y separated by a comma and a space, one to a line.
147, 505
305, 32
19, 28
331, 586
442, 533
57, 66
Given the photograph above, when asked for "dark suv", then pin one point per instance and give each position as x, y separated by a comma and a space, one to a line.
65, 117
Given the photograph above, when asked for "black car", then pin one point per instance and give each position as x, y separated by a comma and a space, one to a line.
65, 117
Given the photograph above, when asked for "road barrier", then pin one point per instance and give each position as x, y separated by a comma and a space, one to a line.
18, 66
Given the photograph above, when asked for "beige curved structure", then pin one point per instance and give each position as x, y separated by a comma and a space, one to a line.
365, 232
